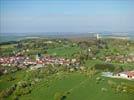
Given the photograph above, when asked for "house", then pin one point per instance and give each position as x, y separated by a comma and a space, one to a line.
122, 75
127, 74
130, 74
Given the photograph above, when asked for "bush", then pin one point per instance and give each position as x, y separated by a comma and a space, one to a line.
15, 98
10, 78
3, 94
103, 89
13, 87
60, 96
23, 84
112, 83
7, 92
128, 88
104, 67
98, 79
22, 91
23, 88
119, 88
118, 70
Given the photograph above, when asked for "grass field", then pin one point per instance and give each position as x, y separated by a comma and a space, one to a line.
91, 63
76, 86
63, 51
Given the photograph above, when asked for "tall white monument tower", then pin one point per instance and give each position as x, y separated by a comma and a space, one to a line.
97, 36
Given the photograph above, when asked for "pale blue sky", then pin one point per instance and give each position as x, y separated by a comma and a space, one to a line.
66, 15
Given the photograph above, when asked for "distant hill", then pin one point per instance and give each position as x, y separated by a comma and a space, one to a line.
5, 37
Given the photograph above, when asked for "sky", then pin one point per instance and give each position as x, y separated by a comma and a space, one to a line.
23, 16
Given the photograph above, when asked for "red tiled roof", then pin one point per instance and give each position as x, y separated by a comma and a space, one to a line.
131, 73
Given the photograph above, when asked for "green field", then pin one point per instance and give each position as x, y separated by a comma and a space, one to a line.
64, 51
92, 63
74, 86
79, 87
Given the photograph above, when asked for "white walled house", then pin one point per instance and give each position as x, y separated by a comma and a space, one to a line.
127, 74
123, 75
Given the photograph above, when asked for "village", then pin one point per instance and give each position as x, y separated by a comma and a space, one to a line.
40, 61
20, 61
120, 58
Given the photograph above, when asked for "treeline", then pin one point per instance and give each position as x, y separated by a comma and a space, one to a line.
9, 42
